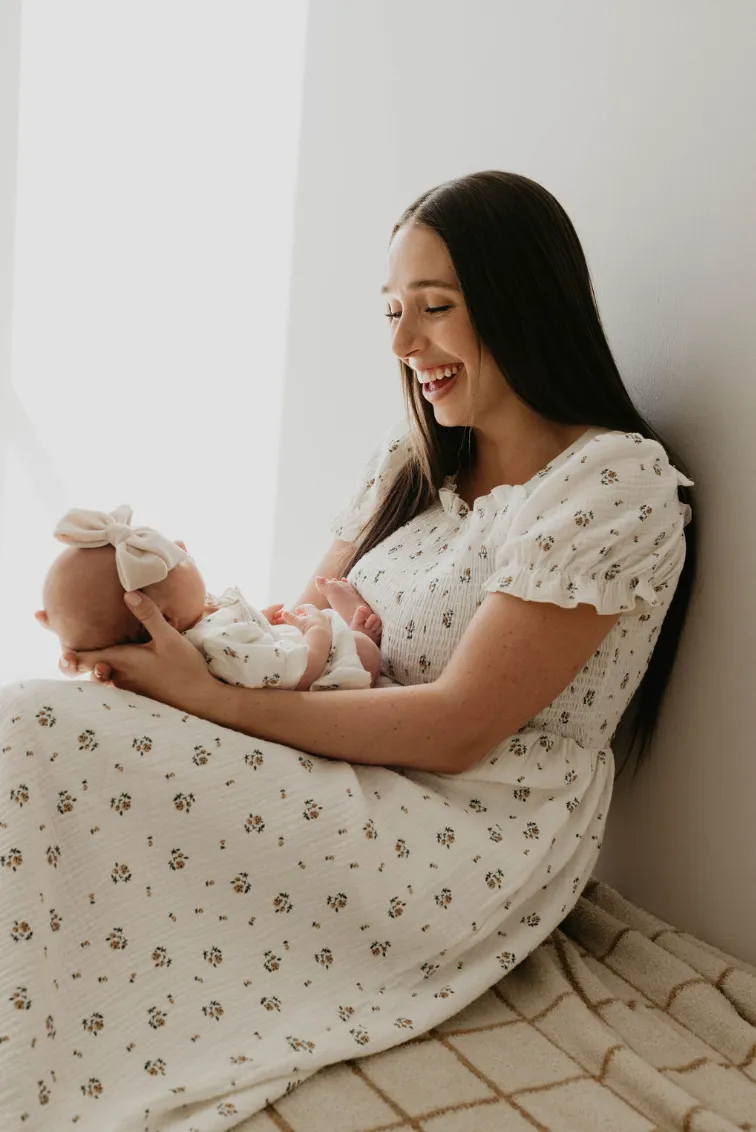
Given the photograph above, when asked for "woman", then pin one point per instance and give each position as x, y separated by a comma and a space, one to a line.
524, 542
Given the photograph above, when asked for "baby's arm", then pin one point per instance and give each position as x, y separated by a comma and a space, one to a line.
316, 630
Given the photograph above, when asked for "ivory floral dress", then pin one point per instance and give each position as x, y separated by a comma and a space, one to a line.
194, 921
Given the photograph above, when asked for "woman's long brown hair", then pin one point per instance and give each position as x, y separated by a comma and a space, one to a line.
530, 299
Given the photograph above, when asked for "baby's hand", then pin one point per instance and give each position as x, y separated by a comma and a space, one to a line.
273, 614
306, 617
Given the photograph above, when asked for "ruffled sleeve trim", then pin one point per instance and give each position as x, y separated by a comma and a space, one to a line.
377, 476
619, 595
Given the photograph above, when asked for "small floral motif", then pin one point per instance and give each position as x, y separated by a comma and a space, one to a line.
477, 806
429, 969
155, 1068
380, 949
254, 823
45, 717
213, 1010
494, 832
281, 903
396, 907
160, 957
117, 941
345, 1013
545, 543
50, 1026
95, 1024
120, 873
226, 1108
572, 804
53, 855
87, 741
506, 960
20, 999
360, 1035
20, 795
337, 902
254, 759
12, 860
532, 920
404, 1023
324, 957
213, 956
55, 920
644, 512
21, 931
609, 477
517, 747
371, 833
93, 1088
65, 802
494, 879
142, 746
583, 518
183, 802
299, 1045
443, 898
272, 962
312, 810
240, 884
121, 805
271, 1003
178, 859
531, 831
201, 756
521, 793
156, 1018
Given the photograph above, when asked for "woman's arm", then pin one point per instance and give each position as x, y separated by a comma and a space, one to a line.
514, 658
331, 566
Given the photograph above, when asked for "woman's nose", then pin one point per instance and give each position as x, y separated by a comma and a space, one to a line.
407, 341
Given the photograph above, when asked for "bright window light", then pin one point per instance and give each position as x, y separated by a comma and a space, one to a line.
157, 162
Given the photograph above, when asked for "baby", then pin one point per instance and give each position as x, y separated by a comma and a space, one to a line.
310, 649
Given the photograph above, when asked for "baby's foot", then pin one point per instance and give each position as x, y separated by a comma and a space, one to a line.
367, 622
341, 596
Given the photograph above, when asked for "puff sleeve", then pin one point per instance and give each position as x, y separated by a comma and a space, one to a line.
377, 477
605, 529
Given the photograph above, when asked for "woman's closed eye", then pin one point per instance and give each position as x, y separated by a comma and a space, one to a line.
428, 310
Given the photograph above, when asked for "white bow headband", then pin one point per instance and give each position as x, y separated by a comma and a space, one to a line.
143, 555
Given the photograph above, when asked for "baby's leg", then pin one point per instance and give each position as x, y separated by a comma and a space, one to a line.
370, 656
341, 595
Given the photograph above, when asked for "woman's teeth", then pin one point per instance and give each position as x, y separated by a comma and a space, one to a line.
427, 377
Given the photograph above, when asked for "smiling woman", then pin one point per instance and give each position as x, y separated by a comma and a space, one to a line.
522, 539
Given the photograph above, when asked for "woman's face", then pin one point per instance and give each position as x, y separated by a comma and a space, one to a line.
430, 328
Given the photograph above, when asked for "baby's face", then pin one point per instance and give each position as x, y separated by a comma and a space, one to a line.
84, 606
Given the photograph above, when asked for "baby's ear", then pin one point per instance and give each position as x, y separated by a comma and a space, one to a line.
41, 616
182, 545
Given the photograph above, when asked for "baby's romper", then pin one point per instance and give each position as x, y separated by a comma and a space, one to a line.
242, 648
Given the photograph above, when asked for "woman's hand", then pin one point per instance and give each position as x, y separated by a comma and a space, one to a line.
168, 668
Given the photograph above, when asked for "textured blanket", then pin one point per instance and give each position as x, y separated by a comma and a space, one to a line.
618, 1022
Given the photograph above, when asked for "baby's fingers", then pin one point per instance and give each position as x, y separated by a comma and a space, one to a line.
69, 664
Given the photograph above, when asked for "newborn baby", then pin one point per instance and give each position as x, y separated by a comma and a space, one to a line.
309, 649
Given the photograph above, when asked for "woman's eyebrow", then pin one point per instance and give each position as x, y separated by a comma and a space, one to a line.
420, 283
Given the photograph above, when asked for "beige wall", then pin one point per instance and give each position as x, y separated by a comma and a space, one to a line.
639, 117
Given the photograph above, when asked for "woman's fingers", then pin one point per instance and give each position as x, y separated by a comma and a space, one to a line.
69, 664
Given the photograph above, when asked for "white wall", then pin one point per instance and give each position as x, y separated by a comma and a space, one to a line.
639, 118
10, 34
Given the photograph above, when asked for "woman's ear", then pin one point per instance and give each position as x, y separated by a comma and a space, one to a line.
41, 616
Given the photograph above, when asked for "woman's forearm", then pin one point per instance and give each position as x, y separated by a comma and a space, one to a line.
411, 726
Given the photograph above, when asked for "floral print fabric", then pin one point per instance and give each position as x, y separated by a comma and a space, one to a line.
193, 921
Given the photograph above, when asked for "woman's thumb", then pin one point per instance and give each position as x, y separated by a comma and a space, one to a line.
148, 613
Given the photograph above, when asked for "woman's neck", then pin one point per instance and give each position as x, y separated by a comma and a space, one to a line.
515, 454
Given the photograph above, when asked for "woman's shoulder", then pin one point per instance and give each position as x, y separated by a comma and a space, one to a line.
610, 457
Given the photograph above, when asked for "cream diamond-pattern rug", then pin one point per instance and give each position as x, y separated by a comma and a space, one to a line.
618, 1022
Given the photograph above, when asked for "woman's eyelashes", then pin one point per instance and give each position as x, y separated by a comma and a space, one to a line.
428, 310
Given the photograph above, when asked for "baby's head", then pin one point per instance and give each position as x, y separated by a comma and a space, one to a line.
84, 588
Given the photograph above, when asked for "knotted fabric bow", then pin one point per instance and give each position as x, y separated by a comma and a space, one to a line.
143, 555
